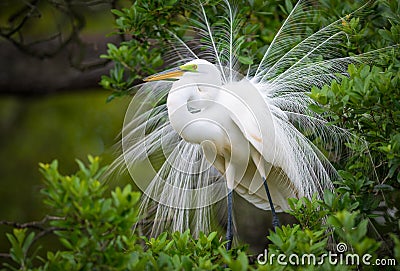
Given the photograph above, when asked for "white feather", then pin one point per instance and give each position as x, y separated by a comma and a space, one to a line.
189, 181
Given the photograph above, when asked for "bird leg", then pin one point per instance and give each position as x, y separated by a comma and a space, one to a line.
275, 219
229, 228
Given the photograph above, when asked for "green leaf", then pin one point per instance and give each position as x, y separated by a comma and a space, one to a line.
211, 236
117, 12
384, 187
317, 109
245, 60
288, 6
28, 242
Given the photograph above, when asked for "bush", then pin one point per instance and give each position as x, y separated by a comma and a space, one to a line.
365, 102
94, 229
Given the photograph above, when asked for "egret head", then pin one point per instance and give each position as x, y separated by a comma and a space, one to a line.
196, 85
197, 71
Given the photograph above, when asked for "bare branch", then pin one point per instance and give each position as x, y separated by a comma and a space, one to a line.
33, 225
32, 6
5, 255
59, 41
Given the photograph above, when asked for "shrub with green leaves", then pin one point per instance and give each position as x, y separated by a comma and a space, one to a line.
366, 102
94, 229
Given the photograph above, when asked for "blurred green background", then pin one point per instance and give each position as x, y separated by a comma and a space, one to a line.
63, 127
51, 105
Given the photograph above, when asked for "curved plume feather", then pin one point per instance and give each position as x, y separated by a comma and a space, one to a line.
183, 187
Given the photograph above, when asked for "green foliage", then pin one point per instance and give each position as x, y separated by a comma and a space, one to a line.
290, 239
349, 229
141, 55
94, 229
148, 28
321, 239
308, 212
20, 244
396, 247
179, 251
367, 103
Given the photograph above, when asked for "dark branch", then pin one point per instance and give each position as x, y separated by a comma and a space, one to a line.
5, 255
32, 6
58, 42
39, 225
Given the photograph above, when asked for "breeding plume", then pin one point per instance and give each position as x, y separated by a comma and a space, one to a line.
204, 129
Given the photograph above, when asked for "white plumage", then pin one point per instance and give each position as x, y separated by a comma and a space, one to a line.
219, 129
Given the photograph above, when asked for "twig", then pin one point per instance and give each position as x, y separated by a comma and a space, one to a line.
5, 255
14, 32
33, 225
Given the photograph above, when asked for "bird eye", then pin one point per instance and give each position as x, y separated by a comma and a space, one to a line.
189, 67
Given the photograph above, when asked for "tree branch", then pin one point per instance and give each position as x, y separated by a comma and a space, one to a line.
58, 42
33, 224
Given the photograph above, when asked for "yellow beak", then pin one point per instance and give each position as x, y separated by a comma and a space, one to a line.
173, 73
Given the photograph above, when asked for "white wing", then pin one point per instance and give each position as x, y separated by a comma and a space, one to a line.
250, 113
179, 185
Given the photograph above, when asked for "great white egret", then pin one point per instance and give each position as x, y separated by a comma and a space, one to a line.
234, 127
203, 122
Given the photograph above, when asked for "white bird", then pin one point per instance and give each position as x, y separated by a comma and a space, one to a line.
205, 130
234, 127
